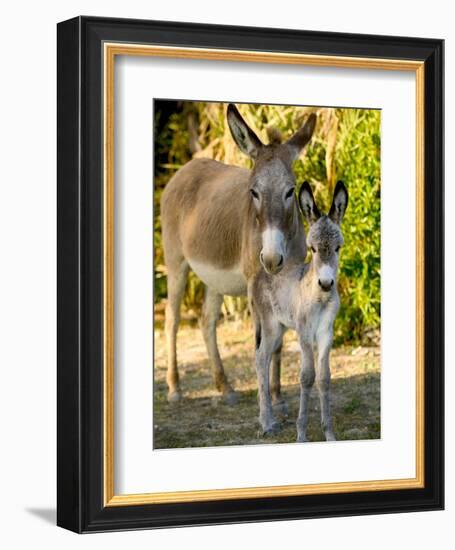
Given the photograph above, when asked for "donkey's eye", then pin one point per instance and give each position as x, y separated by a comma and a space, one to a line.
313, 250
289, 193
337, 249
254, 193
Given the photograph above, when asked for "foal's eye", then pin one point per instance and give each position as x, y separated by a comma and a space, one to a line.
289, 193
254, 193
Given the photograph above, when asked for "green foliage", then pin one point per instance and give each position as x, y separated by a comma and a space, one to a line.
345, 145
358, 165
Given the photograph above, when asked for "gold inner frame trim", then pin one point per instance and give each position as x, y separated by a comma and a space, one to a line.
109, 52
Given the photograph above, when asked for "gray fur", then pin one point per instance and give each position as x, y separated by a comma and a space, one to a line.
227, 224
301, 298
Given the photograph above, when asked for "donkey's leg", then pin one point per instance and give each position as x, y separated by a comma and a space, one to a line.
323, 384
280, 406
267, 341
209, 317
307, 375
275, 375
176, 281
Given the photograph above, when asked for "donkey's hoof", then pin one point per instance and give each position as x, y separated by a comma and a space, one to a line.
280, 408
174, 396
302, 438
330, 436
274, 429
231, 398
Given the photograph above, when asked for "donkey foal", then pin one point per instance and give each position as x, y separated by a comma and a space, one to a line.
304, 297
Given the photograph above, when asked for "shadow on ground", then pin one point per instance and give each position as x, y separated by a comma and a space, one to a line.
202, 419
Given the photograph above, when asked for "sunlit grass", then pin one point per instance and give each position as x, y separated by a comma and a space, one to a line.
202, 419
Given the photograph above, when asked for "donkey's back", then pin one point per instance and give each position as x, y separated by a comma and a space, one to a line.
200, 179
203, 213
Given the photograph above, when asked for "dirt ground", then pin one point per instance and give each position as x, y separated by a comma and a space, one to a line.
202, 419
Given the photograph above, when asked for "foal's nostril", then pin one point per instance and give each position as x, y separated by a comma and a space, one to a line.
280, 263
261, 257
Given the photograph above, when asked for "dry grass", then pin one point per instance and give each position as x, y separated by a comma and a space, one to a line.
202, 419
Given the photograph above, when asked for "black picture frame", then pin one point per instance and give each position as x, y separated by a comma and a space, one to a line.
80, 476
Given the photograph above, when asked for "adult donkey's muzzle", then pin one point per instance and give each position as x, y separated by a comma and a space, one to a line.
272, 263
273, 250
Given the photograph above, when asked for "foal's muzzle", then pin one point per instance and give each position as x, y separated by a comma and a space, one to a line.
326, 284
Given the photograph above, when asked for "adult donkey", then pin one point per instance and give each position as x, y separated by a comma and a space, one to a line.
225, 222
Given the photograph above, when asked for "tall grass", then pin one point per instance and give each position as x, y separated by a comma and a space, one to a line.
345, 145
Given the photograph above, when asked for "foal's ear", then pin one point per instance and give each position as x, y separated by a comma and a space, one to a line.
302, 137
243, 135
339, 203
306, 200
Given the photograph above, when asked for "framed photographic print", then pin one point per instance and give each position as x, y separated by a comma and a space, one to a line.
250, 274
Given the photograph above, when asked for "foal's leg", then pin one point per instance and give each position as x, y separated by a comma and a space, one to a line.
176, 281
307, 376
209, 317
267, 340
279, 404
323, 383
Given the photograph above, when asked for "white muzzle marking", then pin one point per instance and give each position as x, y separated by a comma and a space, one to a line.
272, 242
273, 250
326, 274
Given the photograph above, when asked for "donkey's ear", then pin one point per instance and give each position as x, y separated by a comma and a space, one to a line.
306, 200
243, 135
339, 203
302, 137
